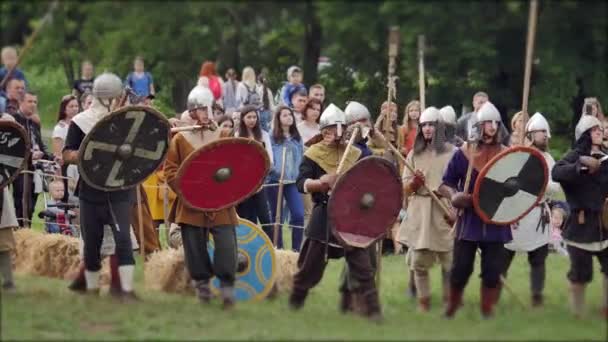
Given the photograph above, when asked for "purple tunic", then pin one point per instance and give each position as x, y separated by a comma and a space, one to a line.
470, 227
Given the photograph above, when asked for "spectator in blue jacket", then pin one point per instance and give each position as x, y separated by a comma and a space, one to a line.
285, 136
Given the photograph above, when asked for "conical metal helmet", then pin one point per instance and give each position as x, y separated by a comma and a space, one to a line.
107, 86
200, 97
488, 112
430, 114
448, 115
355, 111
585, 123
331, 116
538, 123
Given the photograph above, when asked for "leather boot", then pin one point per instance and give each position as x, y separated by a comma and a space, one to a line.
203, 292
371, 305
79, 284
537, 300
577, 299
424, 304
227, 297
454, 302
297, 299
488, 300
346, 301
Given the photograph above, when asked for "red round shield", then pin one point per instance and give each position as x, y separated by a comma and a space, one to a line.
510, 185
222, 173
365, 201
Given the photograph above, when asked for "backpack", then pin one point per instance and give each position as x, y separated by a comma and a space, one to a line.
253, 98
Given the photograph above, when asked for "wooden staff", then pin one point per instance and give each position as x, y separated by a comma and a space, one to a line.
277, 217
165, 209
30, 41
442, 205
421, 82
351, 141
532, 15
186, 128
140, 216
467, 180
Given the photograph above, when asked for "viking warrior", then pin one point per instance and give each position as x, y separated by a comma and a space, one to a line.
448, 117
97, 207
532, 234
471, 232
357, 115
583, 176
196, 225
8, 221
425, 231
317, 176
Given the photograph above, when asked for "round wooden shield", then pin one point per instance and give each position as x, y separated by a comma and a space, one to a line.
256, 266
365, 201
222, 173
124, 148
14, 151
510, 185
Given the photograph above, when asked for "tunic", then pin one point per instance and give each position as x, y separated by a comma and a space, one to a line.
424, 226
470, 227
533, 231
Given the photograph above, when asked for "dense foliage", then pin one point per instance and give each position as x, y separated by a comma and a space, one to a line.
472, 45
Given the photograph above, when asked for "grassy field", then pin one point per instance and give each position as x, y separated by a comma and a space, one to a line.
44, 309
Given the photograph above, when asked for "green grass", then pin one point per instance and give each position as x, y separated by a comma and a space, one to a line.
44, 309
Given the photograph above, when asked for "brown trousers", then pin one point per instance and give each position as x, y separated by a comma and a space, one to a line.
151, 242
311, 265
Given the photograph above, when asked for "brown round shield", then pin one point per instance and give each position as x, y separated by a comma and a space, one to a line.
365, 201
124, 148
510, 185
222, 173
14, 151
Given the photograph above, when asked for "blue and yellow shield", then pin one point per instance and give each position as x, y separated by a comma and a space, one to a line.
256, 266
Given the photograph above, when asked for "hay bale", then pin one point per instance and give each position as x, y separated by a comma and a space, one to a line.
49, 255
287, 266
166, 271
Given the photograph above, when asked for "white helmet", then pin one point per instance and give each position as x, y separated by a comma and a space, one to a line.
355, 111
538, 123
584, 124
200, 97
332, 115
107, 86
430, 114
448, 115
488, 112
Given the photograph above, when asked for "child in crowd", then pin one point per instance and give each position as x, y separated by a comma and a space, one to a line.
57, 219
559, 215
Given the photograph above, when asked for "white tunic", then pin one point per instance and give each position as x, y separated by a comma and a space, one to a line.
529, 234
